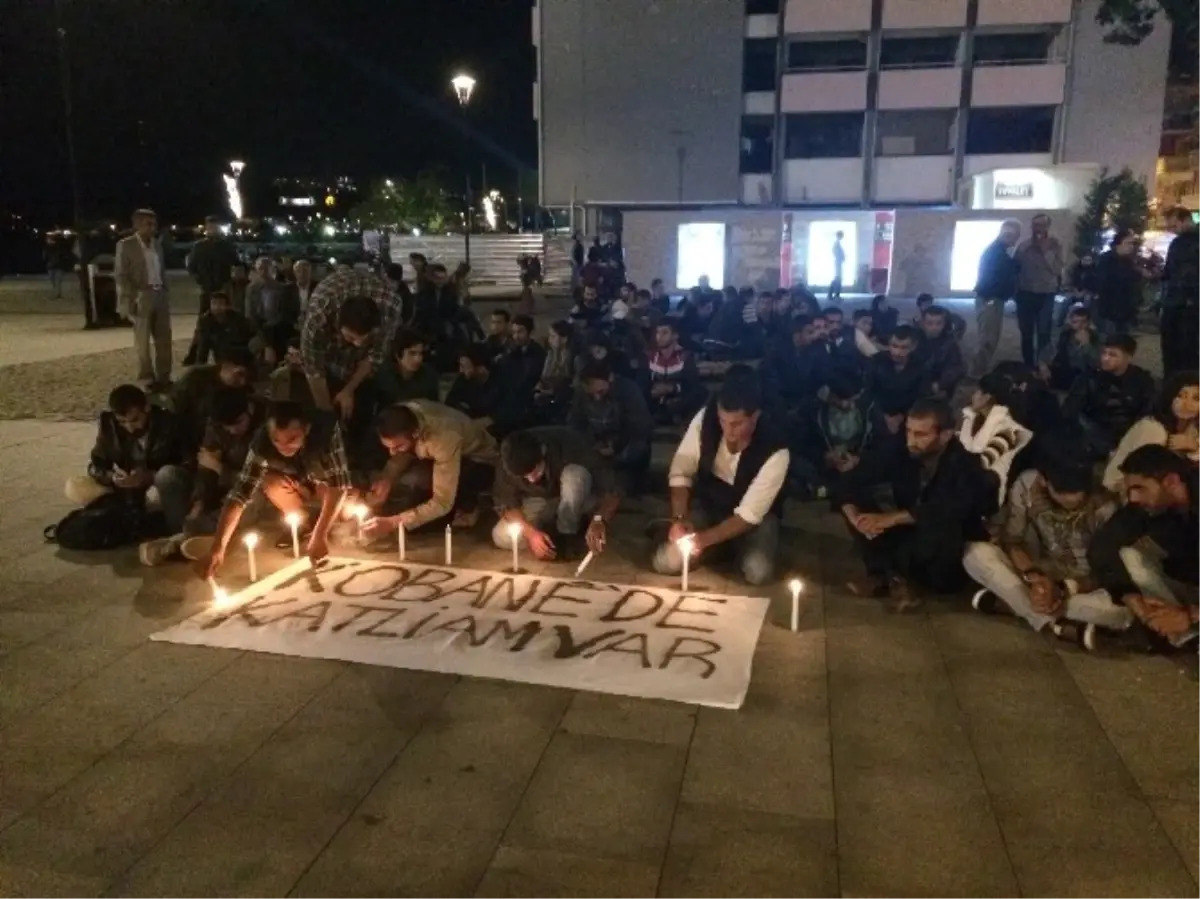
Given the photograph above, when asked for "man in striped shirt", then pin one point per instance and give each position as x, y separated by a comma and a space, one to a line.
350, 321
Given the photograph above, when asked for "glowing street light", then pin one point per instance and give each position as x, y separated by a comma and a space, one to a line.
463, 85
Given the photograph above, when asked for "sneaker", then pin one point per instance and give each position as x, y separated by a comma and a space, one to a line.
155, 552
985, 601
196, 548
1076, 632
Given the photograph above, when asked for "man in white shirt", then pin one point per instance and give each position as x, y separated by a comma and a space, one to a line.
142, 295
726, 482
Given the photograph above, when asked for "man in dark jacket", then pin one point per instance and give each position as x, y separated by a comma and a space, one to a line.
548, 479
1146, 554
521, 367
998, 273
1106, 401
137, 448
727, 483
939, 354
942, 495
222, 329
611, 411
211, 263
1181, 282
192, 395
793, 374
895, 380
834, 434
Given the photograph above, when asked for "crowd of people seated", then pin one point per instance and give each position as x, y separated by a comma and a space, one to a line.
1043, 491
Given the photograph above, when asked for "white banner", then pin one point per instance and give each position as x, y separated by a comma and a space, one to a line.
582, 635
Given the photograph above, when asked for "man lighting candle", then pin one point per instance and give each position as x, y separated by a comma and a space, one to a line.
439, 462
295, 457
548, 479
726, 481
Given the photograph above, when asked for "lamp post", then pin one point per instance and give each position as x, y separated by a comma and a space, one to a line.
464, 86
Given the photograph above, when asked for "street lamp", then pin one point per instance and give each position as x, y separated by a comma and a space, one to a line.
464, 86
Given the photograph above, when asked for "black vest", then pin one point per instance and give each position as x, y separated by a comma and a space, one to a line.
724, 498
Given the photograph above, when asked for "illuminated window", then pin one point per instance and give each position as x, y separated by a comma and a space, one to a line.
700, 253
970, 240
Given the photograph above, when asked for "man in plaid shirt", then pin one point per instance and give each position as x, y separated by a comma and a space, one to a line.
294, 457
351, 319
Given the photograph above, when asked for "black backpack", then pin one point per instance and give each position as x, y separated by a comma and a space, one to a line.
108, 522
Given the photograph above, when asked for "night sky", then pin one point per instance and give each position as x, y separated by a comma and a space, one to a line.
292, 87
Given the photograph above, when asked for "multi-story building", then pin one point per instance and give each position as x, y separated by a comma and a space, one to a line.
809, 105
1178, 176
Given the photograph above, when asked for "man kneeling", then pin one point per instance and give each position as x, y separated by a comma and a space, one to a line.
547, 480
295, 457
735, 465
440, 461
1039, 567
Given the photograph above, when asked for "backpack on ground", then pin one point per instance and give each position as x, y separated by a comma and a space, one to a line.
108, 522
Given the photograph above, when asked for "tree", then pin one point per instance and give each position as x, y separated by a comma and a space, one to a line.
1112, 202
1131, 21
401, 205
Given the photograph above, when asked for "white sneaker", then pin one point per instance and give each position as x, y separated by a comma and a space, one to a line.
196, 548
155, 552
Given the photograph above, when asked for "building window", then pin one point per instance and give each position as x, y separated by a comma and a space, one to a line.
1013, 49
824, 135
758, 145
758, 64
918, 52
762, 7
827, 56
915, 132
1020, 129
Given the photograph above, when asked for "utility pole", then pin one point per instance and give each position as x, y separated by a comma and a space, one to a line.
64, 65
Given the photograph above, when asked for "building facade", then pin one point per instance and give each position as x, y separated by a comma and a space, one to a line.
867, 104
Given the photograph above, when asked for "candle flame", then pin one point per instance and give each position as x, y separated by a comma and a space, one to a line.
251, 540
292, 519
514, 530
220, 598
360, 512
796, 585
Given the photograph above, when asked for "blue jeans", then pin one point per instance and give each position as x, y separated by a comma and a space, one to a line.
755, 550
174, 486
564, 513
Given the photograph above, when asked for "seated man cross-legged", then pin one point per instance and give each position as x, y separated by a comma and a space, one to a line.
726, 482
1038, 567
137, 450
296, 457
439, 462
548, 479
942, 494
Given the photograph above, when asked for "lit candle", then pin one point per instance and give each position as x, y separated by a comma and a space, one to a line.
685, 544
400, 539
220, 598
587, 560
360, 513
293, 521
797, 587
514, 536
251, 541
449, 550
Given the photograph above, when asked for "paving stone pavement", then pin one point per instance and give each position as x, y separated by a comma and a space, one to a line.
934, 754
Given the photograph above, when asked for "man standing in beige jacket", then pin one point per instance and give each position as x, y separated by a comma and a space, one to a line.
141, 275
